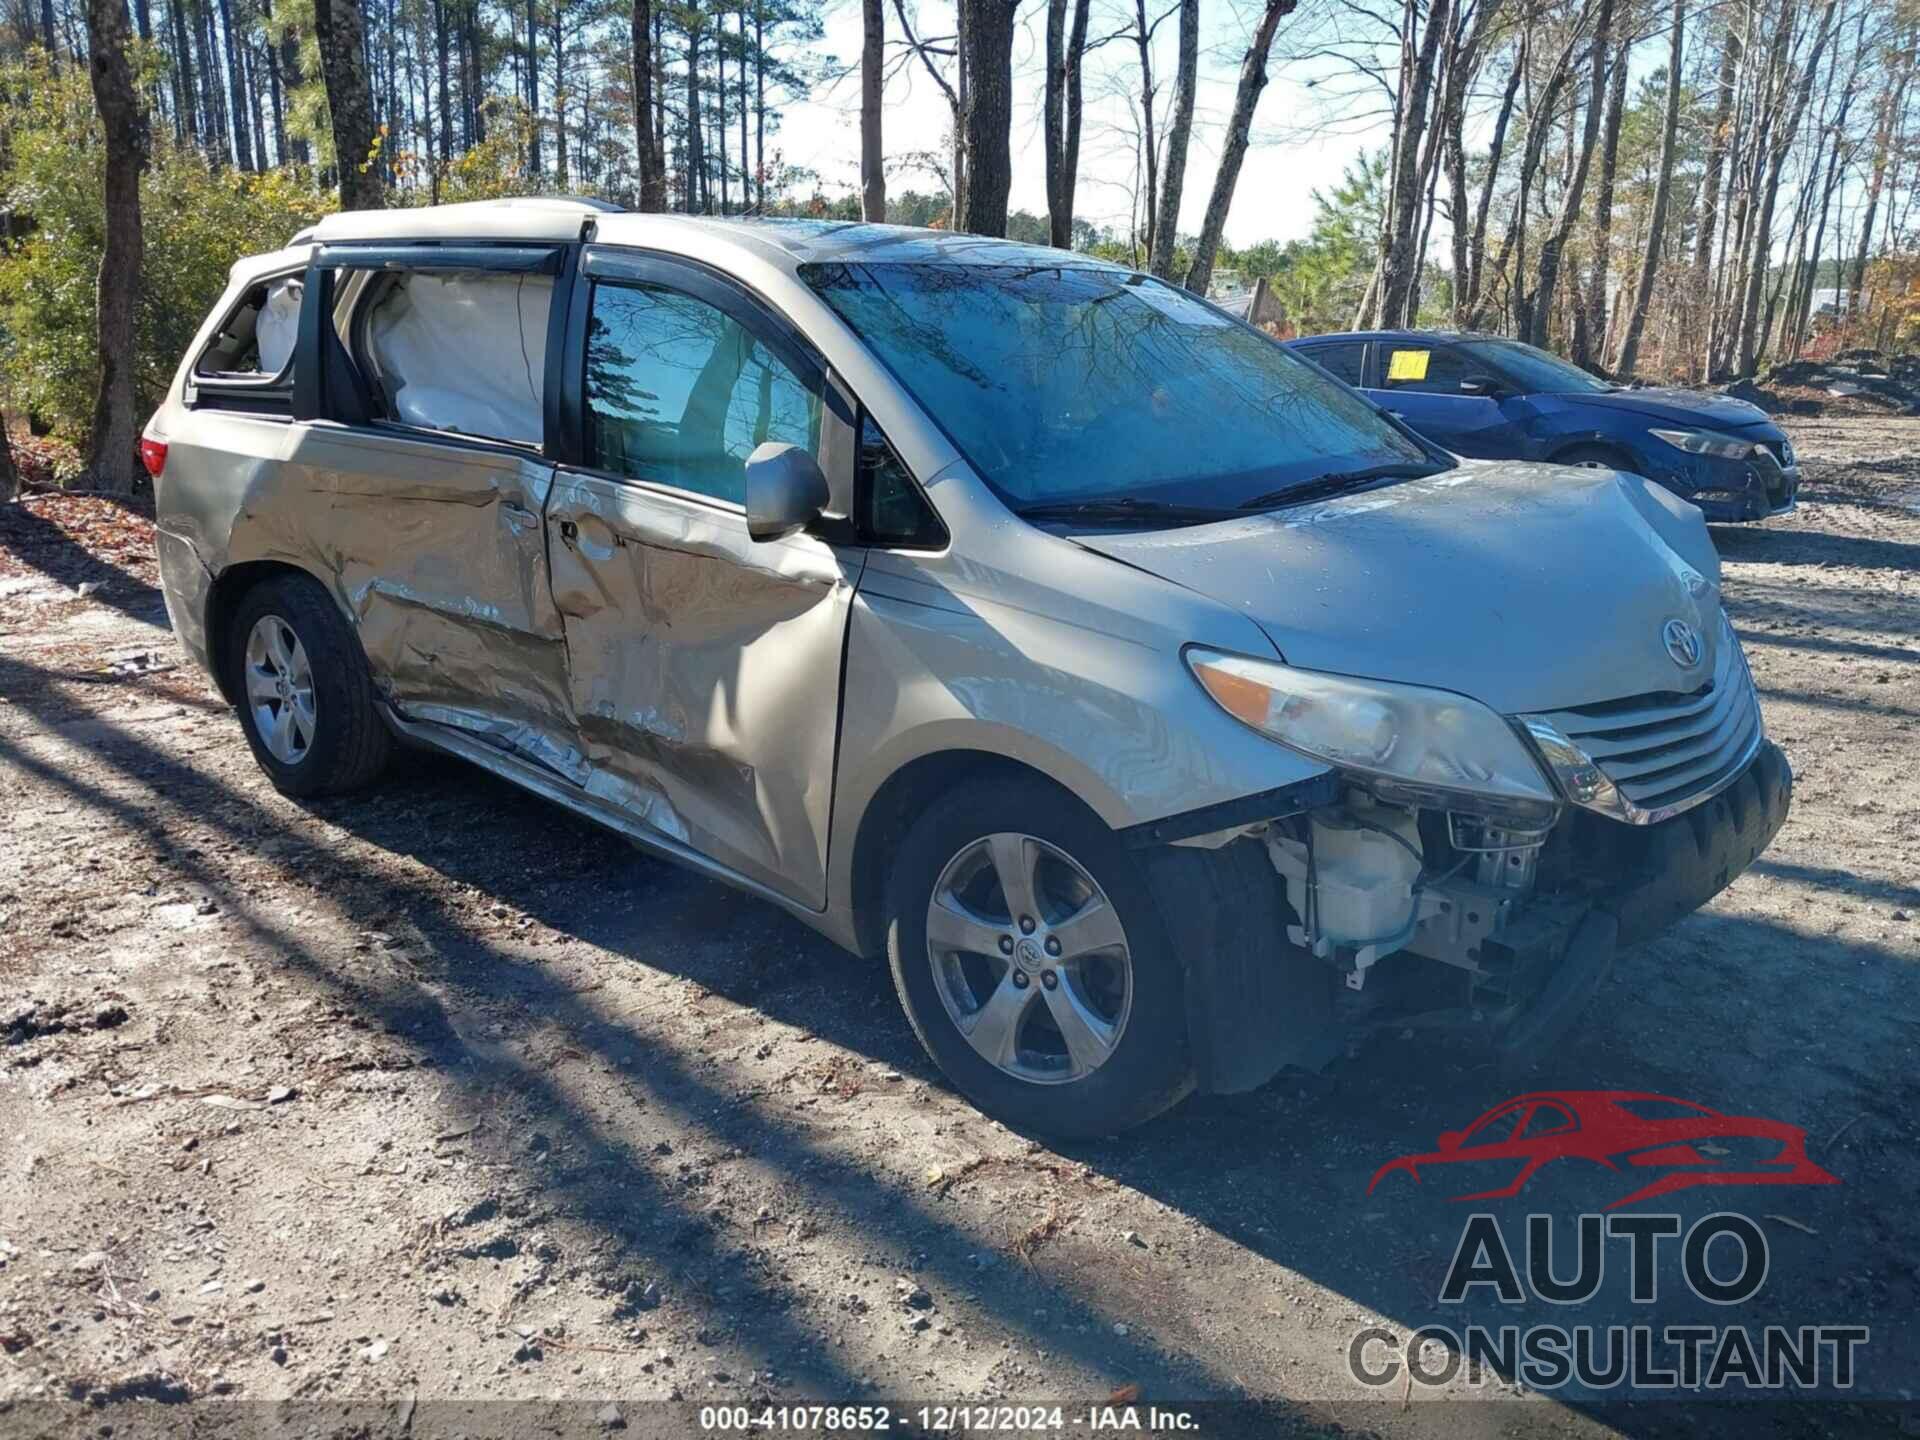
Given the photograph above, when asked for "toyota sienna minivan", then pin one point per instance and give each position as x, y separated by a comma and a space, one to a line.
1163, 712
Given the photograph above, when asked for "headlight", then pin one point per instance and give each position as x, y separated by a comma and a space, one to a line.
1407, 733
1705, 442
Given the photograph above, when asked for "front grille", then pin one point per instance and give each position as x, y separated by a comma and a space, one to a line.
1663, 750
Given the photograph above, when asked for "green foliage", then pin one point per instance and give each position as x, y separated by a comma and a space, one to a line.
197, 222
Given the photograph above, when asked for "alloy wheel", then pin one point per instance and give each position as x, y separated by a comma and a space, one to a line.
279, 683
1030, 958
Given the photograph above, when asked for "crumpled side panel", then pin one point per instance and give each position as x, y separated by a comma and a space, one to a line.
438, 553
706, 674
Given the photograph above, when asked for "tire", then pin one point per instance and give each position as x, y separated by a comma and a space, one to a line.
338, 741
1123, 1000
1596, 457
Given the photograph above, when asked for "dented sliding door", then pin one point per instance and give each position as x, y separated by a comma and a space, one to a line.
415, 481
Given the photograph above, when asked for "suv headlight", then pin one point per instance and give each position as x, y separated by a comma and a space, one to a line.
1705, 442
1408, 733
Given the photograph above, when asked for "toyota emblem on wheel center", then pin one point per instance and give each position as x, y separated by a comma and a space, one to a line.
1683, 643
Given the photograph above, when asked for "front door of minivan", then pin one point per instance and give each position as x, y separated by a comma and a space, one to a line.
704, 666
418, 430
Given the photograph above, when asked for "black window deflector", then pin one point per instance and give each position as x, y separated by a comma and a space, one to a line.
508, 259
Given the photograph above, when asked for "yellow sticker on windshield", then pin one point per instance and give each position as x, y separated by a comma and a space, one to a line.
1408, 365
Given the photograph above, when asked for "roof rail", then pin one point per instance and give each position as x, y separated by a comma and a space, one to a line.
516, 217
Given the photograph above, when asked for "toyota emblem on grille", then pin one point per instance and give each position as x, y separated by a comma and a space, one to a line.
1683, 643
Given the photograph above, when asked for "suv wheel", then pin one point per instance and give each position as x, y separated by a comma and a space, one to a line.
1032, 965
305, 694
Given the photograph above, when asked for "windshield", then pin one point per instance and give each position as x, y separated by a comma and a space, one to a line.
1533, 369
1068, 384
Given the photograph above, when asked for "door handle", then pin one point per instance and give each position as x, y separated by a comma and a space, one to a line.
1398, 414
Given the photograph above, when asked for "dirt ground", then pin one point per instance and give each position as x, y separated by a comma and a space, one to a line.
437, 1094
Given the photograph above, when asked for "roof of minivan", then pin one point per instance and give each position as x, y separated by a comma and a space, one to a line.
795, 241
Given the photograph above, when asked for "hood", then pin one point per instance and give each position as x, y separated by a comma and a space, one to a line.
1682, 407
1528, 587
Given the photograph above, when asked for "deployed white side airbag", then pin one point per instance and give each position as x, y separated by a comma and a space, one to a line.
465, 353
278, 325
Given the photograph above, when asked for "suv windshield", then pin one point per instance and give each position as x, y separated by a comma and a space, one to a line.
1533, 369
1073, 385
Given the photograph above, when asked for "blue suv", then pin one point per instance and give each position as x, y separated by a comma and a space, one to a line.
1497, 399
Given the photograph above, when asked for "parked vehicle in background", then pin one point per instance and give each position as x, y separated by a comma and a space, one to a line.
1163, 713
1496, 399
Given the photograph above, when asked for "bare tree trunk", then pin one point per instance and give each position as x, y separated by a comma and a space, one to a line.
1149, 147
1539, 128
236, 89
746, 159
1709, 220
1398, 263
986, 60
1770, 193
186, 98
873, 60
1890, 105
277, 82
1471, 261
111, 454
1537, 309
696, 158
1662, 196
533, 87
653, 183
9, 472
759, 107
343, 65
443, 66
1166, 222
560, 95
1066, 55
1246, 96
1592, 351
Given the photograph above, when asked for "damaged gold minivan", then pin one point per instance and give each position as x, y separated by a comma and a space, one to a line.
1163, 711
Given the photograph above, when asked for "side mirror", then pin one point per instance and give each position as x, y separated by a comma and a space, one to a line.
786, 490
1449, 1139
1480, 385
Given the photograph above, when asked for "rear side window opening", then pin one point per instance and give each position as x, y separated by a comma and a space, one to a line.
248, 364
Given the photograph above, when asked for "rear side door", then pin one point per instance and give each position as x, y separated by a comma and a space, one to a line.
704, 667
1419, 382
419, 441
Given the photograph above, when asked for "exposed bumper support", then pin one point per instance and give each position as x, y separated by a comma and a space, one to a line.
1256, 1003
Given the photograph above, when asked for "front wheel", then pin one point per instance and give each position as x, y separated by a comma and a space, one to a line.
1031, 963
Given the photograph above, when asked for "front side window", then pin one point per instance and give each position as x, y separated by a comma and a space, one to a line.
679, 393
1532, 369
892, 509
1080, 383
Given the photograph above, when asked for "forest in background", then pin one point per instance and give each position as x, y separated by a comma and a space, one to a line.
1683, 190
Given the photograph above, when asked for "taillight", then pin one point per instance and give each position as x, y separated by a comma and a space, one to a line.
153, 455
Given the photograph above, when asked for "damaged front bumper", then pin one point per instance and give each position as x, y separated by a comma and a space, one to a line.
1508, 958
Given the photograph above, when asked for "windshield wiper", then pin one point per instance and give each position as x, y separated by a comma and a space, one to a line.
1124, 508
1339, 482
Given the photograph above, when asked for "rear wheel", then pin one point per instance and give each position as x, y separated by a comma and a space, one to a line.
303, 689
1032, 965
